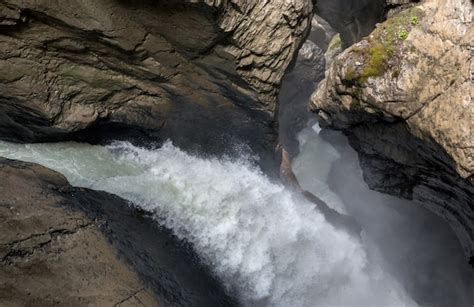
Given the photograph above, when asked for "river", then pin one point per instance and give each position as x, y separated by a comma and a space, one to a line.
265, 243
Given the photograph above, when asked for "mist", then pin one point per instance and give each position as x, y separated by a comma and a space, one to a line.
267, 244
411, 243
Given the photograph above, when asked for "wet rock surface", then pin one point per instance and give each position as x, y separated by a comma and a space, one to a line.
296, 89
70, 246
353, 19
202, 73
403, 95
335, 25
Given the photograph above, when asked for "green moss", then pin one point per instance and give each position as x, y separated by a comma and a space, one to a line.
351, 75
335, 42
384, 43
375, 61
397, 27
403, 34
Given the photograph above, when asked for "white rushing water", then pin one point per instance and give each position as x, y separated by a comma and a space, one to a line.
320, 156
266, 244
417, 247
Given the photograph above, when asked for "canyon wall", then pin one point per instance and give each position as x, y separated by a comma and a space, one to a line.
42, 243
204, 73
335, 24
61, 245
403, 95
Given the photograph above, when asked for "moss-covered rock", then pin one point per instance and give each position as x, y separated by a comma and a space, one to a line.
383, 45
335, 42
404, 95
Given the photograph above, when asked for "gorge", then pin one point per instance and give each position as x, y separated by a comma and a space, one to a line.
220, 186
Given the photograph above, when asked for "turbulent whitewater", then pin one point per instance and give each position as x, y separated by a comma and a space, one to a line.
267, 245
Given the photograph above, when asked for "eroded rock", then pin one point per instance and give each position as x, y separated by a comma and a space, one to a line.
50, 255
61, 245
352, 19
203, 73
404, 96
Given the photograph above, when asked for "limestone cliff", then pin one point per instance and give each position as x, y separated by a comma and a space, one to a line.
204, 73
404, 97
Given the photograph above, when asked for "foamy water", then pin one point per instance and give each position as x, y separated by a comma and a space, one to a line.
266, 244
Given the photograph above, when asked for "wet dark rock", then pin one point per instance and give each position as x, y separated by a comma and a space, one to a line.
297, 87
73, 246
353, 19
201, 73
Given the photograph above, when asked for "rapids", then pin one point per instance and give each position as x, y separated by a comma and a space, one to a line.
267, 245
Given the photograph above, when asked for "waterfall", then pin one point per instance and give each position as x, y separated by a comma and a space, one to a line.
268, 245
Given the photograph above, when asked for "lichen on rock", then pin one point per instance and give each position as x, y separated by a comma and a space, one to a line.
384, 46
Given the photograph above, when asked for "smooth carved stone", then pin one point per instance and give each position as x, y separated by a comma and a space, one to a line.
51, 255
67, 246
404, 96
204, 73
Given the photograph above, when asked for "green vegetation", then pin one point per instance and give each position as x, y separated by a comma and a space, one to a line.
384, 43
373, 66
350, 75
403, 34
335, 42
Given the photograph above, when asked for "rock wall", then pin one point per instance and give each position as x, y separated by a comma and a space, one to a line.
353, 19
297, 86
404, 97
336, 24
203, 73
53, 256
61, 245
